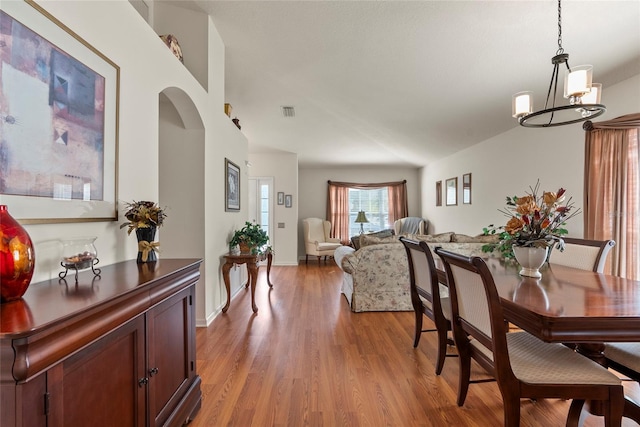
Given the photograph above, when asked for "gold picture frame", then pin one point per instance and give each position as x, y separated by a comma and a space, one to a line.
73, 126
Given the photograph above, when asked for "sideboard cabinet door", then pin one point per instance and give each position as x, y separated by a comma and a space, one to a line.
171, 341
100, 385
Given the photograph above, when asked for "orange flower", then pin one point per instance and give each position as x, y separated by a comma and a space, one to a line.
527, 208
525, 200
514, 225
549, 197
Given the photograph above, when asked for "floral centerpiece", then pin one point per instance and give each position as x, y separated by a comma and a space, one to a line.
251, 238
144, 217
534, 221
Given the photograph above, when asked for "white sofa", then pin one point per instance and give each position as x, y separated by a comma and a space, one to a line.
376, 276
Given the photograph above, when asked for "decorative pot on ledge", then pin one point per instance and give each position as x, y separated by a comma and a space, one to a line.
17, 257
530, 259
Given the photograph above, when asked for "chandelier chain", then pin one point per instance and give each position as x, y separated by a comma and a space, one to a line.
560, 49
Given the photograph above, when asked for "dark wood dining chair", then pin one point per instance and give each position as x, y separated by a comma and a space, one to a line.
428, 297
624, 357
592, 255
583, 254
523, 365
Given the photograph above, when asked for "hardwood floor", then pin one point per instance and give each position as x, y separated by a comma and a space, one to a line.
306, 360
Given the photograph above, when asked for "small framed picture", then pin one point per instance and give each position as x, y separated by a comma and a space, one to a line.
281, 197
452, 191
466, 188
232, 186
438, 193
287, 201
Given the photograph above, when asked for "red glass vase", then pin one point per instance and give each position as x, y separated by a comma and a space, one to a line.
17, 257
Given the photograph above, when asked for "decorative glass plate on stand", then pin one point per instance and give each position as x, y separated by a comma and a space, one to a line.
79, 254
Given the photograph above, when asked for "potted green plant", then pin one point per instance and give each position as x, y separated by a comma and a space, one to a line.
251, 238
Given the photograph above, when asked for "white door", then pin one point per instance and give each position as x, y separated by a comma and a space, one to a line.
261, 204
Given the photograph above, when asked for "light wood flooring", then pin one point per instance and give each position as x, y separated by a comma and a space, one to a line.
306, 360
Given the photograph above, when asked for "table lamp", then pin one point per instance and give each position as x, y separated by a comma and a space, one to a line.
361, 219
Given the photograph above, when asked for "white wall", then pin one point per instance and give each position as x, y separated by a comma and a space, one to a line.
313, 189
191, 30
508, 164
146, 70
283, 167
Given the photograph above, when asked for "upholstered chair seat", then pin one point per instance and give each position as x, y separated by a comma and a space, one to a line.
624, 357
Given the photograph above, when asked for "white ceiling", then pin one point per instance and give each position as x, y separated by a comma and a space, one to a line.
405, 82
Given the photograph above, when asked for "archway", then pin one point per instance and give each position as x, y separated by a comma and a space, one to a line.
181, 181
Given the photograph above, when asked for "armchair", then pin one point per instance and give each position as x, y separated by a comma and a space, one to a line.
410, 225
316, 238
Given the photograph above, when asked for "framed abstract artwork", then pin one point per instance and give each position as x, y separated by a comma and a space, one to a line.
438, 193
58, 120
288, 201
232, 186
281, 197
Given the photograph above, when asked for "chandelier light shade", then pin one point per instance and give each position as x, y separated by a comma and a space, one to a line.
577, 82
361, 219
522, 104
582, 93
593, 97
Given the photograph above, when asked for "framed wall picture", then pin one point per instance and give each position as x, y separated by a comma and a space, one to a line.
232, 186
281, 197
452, 191
438, 193
466, 188
288, 201
59, 114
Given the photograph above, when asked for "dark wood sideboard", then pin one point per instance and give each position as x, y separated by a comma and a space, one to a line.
114, 350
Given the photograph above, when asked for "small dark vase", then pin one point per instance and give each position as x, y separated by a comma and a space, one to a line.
148, 235
17, 257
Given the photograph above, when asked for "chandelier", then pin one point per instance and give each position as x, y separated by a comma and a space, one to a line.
583, 95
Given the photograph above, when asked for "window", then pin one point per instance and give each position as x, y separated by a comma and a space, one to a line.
265, 203
383, 203
374, 203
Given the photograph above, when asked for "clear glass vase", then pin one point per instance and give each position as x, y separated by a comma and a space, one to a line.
78, 253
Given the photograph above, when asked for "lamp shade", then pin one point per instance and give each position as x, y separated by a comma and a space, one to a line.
361, 217
577, 81
593, 97
522, 104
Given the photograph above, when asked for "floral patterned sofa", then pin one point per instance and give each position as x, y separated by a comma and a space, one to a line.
376, 276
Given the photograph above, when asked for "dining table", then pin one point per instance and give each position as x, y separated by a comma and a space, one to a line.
580, 308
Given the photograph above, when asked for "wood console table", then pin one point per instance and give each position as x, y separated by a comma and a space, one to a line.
113, 350
252, 261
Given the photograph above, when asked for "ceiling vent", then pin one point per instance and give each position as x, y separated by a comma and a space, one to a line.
288, 111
